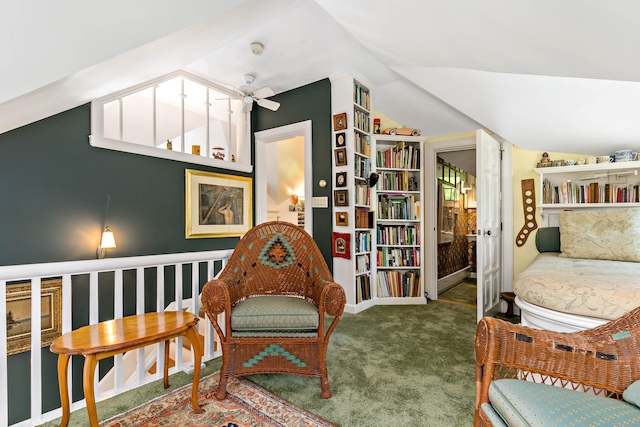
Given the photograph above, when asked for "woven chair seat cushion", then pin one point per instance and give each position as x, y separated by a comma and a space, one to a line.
274, 314
525, 403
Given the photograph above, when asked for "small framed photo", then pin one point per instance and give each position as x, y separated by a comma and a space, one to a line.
341, 245
342, 219
341, 156
340, 139
341, 197
341, 179
340, 121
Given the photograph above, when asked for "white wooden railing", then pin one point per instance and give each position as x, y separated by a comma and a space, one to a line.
72, 270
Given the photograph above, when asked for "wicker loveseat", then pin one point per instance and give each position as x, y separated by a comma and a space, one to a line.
274, 294
602, 364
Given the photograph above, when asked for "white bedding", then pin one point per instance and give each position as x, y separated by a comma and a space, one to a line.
596, 288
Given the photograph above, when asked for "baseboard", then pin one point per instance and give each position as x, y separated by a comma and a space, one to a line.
453, 279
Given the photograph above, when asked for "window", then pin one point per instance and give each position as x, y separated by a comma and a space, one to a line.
178, 117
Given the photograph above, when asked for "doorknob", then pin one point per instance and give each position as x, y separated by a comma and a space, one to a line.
487, 233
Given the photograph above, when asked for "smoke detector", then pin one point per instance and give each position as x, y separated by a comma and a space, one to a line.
257, 48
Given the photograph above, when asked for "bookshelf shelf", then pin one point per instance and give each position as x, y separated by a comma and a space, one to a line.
398, 197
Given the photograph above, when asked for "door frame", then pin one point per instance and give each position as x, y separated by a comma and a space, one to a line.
458, 142
280, 133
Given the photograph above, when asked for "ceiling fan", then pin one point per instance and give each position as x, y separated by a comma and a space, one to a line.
249, 93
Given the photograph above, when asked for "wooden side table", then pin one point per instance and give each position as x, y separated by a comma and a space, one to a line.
106, 339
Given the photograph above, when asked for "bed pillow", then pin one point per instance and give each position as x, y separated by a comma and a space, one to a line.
603, 234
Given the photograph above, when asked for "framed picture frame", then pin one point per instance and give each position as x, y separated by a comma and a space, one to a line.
341, 139
341, 179
341, 245
339, 121
340, 156
341, 197
217, 205
342, 219
19, 315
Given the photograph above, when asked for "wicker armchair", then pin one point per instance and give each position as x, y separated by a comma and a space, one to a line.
274, 260
603, 361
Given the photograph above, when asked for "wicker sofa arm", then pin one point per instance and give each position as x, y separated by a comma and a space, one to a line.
606, 358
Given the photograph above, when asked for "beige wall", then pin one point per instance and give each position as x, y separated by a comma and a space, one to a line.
523, 163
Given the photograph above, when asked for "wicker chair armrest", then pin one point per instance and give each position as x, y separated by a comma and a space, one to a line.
603, 357
332, 298
216, 298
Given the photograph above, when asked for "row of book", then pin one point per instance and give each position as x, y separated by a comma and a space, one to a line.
361, 96
398, 257
594, 192
363, 288
398, 206
362, 143
363, 194
398, 284
398, 234
402, 156
361, 121
362, 241
362, 167
364, 218
363, 263
397, 181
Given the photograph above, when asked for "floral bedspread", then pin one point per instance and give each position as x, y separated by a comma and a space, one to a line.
594, 288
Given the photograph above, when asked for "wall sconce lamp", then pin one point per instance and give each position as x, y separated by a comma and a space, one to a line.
464, 186
107, 242
294, 199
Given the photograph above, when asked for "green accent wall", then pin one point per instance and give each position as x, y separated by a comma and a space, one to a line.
310, 102
57, 193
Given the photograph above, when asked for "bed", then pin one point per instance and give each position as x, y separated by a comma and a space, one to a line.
587, 272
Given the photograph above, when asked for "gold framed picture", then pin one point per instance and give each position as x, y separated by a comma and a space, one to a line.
341, 197
339, 121
216, 205
19, 315
341, 156
342, 219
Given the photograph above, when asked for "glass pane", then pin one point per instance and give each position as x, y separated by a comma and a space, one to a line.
137, 117
111, 120
220, 111
169, 113
195, 118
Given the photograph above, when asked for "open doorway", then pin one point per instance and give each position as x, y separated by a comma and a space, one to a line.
283, 175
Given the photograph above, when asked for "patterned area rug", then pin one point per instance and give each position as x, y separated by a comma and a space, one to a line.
246, 405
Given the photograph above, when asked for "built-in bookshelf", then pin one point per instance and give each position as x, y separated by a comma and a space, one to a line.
600, 185
398, 220
351, 95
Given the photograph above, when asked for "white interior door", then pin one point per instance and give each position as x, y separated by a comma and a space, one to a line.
488, 256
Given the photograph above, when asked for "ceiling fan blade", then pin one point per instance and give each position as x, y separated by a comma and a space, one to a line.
269, 104
264, 92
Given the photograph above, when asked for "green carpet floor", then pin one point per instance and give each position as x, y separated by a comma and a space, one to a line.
388, 365
465, 292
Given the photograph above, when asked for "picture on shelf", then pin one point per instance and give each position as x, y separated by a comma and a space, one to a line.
341, 245
341, 197
340, 139
341, 156
341, 179
342, 219
340, 121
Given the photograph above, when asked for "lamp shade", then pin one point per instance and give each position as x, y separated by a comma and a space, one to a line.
107, 239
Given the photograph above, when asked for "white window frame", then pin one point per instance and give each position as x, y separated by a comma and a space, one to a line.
97, 140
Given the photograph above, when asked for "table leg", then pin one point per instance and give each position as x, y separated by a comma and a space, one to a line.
90, 363
192, 334
166, 364
63, 362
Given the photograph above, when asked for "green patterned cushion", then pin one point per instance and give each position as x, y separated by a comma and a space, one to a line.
493, 416
274, 313
524, 403
632, 393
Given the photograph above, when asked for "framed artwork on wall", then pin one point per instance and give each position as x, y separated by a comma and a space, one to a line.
341, 179
341, 245
340, 139
340, 121
216, 205
341, 197
19, 315
342, 219
341, 156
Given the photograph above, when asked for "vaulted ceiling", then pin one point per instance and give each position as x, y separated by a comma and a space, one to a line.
543, 74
